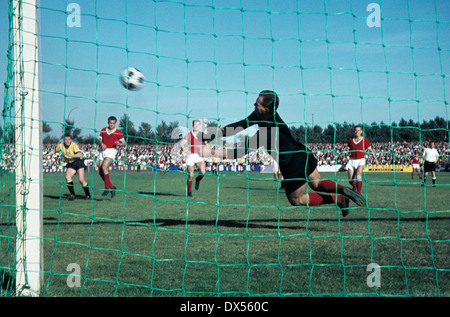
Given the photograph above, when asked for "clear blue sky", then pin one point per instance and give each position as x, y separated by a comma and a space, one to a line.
210, 58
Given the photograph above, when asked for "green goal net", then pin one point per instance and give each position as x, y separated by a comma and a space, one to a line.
133, 229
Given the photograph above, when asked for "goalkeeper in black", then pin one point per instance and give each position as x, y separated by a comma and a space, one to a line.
297, 164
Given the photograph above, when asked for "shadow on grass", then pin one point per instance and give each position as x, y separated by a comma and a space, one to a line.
160, 194
80, 197
253, 224
66, 197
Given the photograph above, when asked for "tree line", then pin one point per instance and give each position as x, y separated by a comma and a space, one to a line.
436, 129
144, 134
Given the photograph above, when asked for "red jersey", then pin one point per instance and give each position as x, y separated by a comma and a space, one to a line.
193, 142
415, 160
357, 148
109, 138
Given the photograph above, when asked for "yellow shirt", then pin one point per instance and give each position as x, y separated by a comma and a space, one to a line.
69, 152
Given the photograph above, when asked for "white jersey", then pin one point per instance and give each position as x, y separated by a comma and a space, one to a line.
430, 155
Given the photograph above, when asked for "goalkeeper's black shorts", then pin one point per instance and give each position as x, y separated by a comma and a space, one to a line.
296, 167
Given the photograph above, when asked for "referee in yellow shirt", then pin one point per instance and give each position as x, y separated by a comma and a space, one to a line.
75, 164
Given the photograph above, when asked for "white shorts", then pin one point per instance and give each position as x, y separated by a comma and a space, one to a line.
354, 164
193, 159
108, 153
416, 166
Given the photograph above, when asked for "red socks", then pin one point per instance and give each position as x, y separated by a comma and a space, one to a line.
316, 199
329, 186
108, 184
359, 186
356, 185
197, 181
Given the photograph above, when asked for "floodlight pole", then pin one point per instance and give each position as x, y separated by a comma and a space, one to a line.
28, 145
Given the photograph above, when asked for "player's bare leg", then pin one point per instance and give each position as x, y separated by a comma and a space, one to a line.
83, 183
190, 169
69, 174
351, 179
298, 197
424, 178
100, 172
202, 168
419, 173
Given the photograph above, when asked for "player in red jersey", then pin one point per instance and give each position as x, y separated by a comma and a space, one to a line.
110, 138
416, 161
195, 144
162, 162
358, 147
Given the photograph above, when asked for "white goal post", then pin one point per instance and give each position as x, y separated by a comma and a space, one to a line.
28, 145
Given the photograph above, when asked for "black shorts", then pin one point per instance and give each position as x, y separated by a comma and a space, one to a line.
429, 166
296, 167
76, 165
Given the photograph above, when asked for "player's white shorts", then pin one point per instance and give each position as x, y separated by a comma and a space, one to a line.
108, 153
193, 159
416, 166
354, 164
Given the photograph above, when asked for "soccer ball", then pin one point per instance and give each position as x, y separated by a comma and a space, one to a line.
132, 78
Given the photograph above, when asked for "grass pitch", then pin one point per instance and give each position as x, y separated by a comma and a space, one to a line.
238, 236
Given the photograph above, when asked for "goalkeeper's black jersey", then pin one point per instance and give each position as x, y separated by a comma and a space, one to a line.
294, 159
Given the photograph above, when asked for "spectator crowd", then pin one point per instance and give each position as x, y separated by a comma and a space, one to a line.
327, 154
